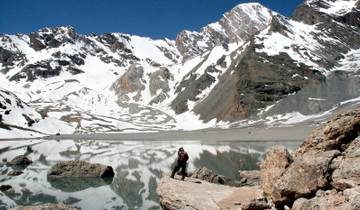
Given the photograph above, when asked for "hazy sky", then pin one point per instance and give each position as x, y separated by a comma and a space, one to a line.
152, 18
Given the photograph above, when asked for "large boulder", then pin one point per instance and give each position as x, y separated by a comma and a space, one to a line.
303, 177
78, 168
347, 167
210, 176
250, 178
195, 194
46, 206
337, 133
277, 159
327, 160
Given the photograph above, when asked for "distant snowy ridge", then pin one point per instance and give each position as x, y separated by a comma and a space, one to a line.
18, 119
251, 66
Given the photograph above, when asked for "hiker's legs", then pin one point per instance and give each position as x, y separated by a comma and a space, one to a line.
176, 169
183, 171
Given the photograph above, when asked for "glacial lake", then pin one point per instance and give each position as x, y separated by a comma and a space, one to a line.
138, 167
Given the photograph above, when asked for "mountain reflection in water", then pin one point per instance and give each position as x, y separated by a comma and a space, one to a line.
138, 167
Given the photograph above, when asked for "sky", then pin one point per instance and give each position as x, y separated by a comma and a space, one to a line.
150, 18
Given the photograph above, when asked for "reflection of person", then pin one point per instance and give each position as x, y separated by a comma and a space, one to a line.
181, 163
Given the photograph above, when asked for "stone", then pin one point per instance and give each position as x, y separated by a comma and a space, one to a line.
257, 204
250, 178
303, 177
78, 168
21, 160
46, 206
277, 159
333, 200
337, 133
176, 194
324, 171
209, 176
346, 168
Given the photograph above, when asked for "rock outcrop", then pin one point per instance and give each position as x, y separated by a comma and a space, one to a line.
330, 199
209, 176
324, 171
4, 188
201, 195
277, 159
130, 82
250, 178
78, 168
237, 25
46, 206
303, 177
346, 168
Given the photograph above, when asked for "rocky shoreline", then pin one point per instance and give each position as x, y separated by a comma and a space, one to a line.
323, 173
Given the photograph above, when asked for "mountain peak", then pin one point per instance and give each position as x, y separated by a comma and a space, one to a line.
251, 6
236, 25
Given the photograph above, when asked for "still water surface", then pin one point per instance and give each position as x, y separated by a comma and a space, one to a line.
138, 167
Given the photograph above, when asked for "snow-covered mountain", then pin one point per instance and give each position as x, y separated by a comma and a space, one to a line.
18, 119
238, 25
251, 66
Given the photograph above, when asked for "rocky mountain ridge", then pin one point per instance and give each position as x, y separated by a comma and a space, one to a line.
253, 66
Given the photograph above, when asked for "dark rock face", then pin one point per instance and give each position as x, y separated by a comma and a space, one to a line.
4, 188
352, 18
251, 84
256, 80
193, 86
159, 81
6, 56
309, 15
320, 96
77, 168
113, 42
52, 37
40, 69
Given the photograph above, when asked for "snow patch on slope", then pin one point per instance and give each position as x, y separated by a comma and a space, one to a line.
335, 8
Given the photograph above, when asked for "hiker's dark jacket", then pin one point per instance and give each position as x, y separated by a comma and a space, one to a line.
183, 157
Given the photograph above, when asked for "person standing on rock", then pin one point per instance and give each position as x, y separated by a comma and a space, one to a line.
182, 159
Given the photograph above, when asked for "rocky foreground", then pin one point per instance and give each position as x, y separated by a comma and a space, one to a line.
323, 173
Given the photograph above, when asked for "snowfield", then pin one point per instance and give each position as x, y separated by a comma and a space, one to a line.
57, 81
